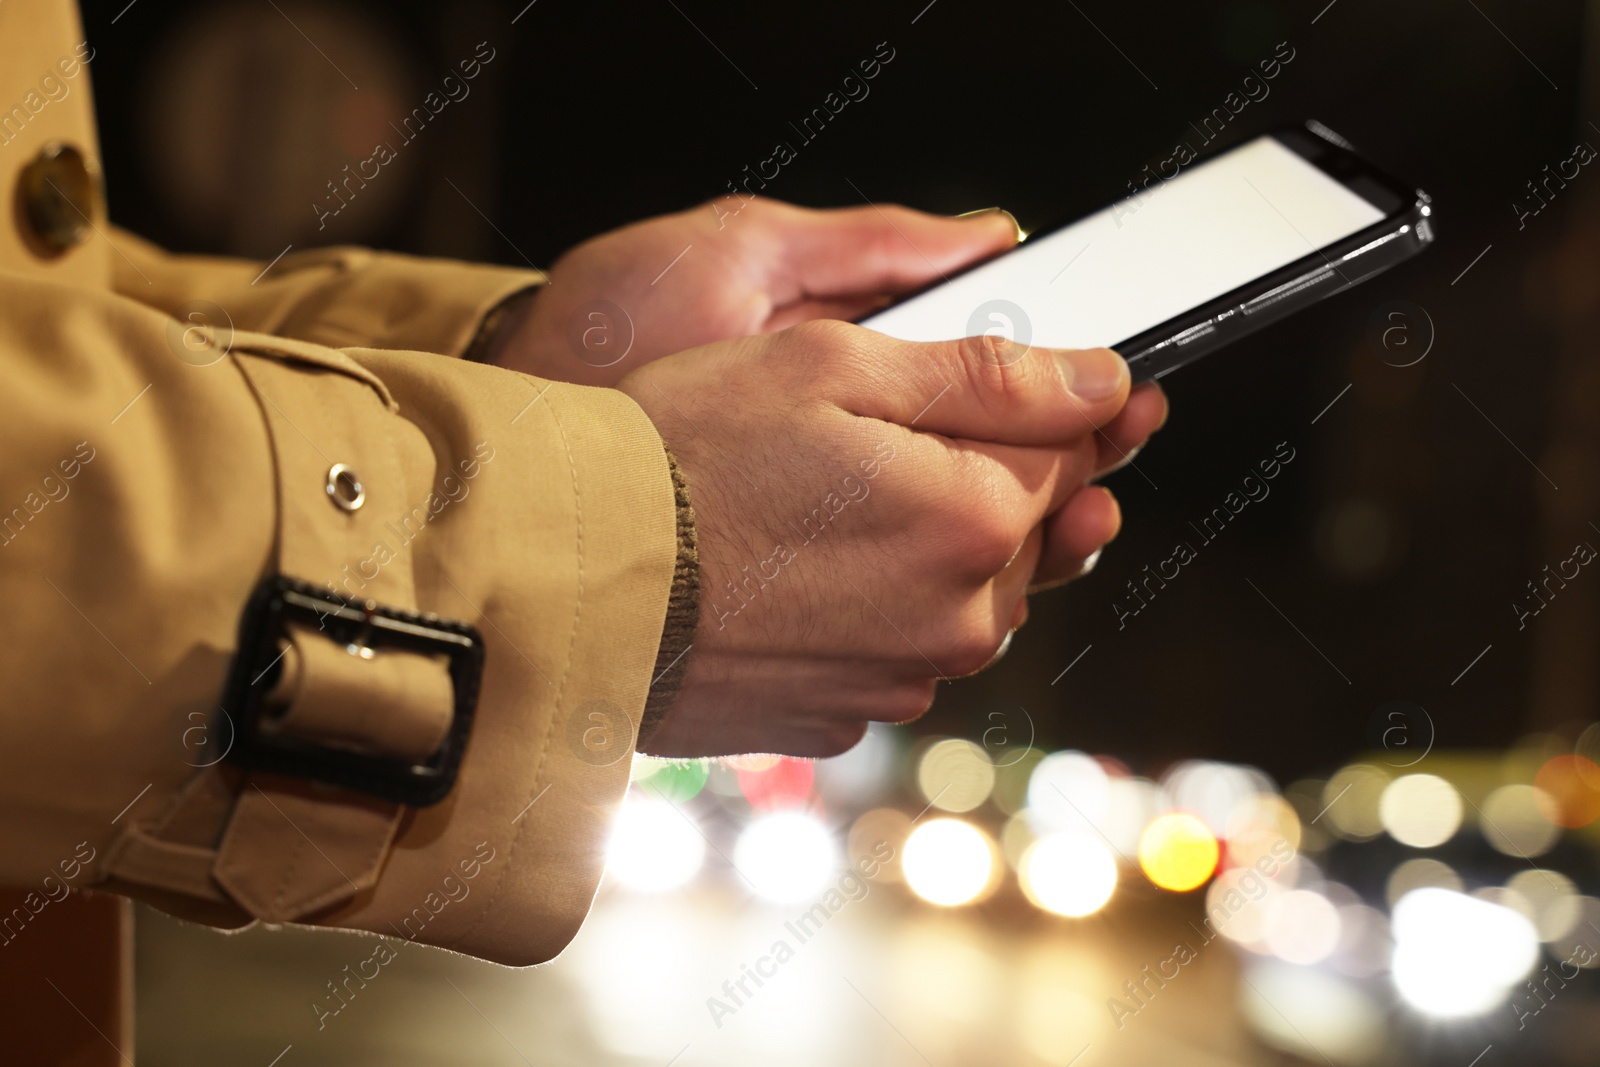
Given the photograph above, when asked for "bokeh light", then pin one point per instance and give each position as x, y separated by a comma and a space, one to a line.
1455, 955
675, 780
955, 775
1237, 906
1130, 805
1262, 827
875, 830
1548, 894
1211, 791
782, 783
1314, 1015
1364, 942
1303, 927
1016, 837
1069, 873
787, 856
1572, 784
1581, 917
1177, 852
1420, 810
948, 862
1350, 802
1514, 821
1068, 791
1420, 873
654, 847
1011, 776
858, 777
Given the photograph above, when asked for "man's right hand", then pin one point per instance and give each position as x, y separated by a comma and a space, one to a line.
869, 517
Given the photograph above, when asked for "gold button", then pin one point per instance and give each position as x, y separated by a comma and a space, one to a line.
57, 197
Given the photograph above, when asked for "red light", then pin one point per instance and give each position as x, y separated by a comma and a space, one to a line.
784, 784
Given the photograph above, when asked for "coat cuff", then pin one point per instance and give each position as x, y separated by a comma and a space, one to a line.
342, 297
683, 613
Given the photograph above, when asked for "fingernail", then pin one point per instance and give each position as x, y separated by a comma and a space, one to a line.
1088, 564
1093, 373
985, 212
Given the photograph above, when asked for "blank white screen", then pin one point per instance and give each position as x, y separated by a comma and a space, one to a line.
1133, 266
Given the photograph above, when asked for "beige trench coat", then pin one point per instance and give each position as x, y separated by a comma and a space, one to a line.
157, 469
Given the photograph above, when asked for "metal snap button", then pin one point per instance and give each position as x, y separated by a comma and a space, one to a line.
58, 198
345, 488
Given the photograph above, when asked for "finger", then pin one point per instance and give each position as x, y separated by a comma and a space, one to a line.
877, 248
1121, 438
1010, 589
985, 388
1074, 536
1025, 485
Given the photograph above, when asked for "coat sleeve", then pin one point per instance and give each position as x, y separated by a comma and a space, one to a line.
153, 479
340, 296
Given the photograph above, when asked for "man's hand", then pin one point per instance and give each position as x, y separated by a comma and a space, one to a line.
730, 269
869, 514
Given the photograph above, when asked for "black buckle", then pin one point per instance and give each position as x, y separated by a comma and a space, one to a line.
362, 627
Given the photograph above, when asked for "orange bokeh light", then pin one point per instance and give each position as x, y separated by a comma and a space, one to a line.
1573, 785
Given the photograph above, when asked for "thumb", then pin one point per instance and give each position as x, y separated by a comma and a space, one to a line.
984, 388
884, 248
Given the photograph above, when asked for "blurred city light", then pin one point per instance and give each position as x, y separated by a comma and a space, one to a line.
1012, 772
1455, 955
1315, 1015
1016, 837
1420, 810
1238, 906
654, 846
1177, 852
1364, 942
1350, 801
877, 828
1420, 873
783, 783
1302, 927
955, 775
1548, 895
1069, 873
948, 862
861, 775
787, 857
1572, 784
1259, 827
1211, 791
1131, 804
1068, 791
1514, 821
674, 780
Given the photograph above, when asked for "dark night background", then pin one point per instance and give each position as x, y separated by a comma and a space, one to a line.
1395, 540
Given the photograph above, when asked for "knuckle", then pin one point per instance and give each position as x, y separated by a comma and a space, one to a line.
986, 542
999, 371
828, 338
907, 702
831, 740
971, 641
821, 350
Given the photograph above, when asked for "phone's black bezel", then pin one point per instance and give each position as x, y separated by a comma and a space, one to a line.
1405, 230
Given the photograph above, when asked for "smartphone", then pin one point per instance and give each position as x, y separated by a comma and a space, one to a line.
1189, 262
